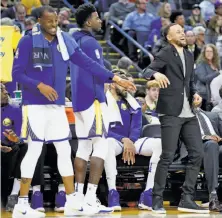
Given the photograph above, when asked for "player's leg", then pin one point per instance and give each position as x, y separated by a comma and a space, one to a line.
114, 148
33, 129
149, 147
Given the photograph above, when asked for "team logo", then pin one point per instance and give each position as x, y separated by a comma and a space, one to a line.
58, 48
7, 122
97, 54
123, 106
17, 53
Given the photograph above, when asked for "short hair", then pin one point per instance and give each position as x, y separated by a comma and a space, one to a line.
140, 92
124, 63
220, 91
18, 5
174, 16
198, 30
6, 21
83, 13
152, 84
44, 9
166, 30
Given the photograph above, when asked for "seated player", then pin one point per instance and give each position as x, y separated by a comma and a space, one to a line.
123, 136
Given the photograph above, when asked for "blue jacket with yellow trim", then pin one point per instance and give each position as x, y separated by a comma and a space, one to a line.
132, 123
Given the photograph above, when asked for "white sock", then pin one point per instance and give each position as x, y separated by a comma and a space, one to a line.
16, 187
151, 175
111, 183
23, 200
61, 188
79, 187
91, 191
36, 188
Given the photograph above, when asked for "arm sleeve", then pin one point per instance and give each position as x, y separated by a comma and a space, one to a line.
115, 136
157, 65
112, 14
193, 89
127, 22
21, 62
203, 75
82, 60
136, 125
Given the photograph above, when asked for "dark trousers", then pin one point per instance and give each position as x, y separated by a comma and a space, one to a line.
211, 164
171, 129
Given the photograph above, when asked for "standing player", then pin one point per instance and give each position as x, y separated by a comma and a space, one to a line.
90, 111
40, 66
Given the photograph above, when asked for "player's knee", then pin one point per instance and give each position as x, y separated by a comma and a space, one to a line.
63, 149
100, 148
84, 150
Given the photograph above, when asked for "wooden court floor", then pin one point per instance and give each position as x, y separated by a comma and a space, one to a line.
134, 213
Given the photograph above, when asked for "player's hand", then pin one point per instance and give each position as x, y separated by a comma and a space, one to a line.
211, 137
197, 100
5, 149
11, 136
48, 92
124, 83
119, 22
129, 151
161, 79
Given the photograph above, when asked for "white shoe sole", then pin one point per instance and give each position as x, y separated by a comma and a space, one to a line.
186, 210
116, 208
159, 211
41, 209
144, 207
77, 212
17, 215
59, 209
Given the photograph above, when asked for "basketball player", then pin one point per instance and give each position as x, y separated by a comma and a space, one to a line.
40, 66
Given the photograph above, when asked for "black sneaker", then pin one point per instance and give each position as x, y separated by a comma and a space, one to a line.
157, 206
11, 202
214, 204
188, 205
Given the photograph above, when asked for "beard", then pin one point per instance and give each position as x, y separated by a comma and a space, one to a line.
120, 93
180, 44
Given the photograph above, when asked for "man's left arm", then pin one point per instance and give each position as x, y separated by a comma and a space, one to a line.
193, 89
136, 125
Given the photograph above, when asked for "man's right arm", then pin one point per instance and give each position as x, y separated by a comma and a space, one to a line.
21, 61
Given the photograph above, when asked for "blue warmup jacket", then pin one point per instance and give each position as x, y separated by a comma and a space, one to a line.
85, 86
29, 77
132, 123
11, 118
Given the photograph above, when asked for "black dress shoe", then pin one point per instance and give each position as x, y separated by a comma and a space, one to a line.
188, 205
157, 206
215, 205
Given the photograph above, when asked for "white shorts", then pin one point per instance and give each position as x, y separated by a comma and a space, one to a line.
45, 123
93, 122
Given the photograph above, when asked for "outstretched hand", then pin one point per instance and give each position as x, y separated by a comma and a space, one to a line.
124, 83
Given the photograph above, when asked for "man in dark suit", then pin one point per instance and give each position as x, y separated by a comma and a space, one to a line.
173, 70
211, 132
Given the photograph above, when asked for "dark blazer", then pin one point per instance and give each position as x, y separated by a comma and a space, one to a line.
196, 52
168, 62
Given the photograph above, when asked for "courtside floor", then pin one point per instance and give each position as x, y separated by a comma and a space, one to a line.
134, 213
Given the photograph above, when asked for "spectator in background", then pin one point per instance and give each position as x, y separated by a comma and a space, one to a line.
218, 107
153, 7
208, 66
218, 7
119, 10
29, 23
20, 15
199, 33
191, 45
63, 19
30, 5
137, 24
214, 30
196, 18
158, 24
215, 85
10, 12
178, 18
5, 4
35, 11
124, 64
207, 9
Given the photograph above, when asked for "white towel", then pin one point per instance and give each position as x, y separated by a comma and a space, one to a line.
114, 112
62, 45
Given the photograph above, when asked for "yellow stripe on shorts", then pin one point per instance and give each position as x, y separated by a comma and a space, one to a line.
98, 112
24, 130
